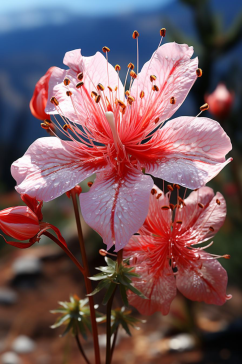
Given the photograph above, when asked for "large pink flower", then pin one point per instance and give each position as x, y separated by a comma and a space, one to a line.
165, 257
118, 136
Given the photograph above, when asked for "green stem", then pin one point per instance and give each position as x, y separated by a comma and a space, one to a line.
81, 349
66, 250
87, 281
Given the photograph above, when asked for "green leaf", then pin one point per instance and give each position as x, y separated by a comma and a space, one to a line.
110, 262
69, 326
100, 286
123, 295
136, 291
125, 326
60, 321
109, 293
98, 277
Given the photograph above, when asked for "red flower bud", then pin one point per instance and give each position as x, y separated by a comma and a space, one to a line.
220, 101
19, 222
38, 102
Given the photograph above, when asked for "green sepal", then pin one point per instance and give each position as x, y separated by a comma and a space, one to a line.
109, 293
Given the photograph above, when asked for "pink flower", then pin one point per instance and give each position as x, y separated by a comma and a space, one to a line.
24, 223
119, 136
220, 101
39, 99
165, 257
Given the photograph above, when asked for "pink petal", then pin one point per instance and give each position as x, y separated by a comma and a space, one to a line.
50, 167
160, 289
188, 151
116, 206
175, 72
94, 70
207, 283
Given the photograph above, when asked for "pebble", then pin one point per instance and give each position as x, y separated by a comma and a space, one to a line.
10, 358
23, 344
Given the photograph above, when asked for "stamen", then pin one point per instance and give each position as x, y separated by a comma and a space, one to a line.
104, 253
142, 94
204, 107
121, 103
199, 72
67, 126
218, 201
80, 76
153, 191
156, 120
105, 49
163, 32
165, 207
179, 222
54, 101
172, 206
44, 126
211, 228
48, 122
133, 74
127, 93
181, 201
170, 188
155, 88
97, 98
79, 84
90, 183
130, 100
68, 93
158, 196
172, 100
152, 78
110, 88
100, 87
200, 205
135, 34
66, 81
177, 186
93, 94
117, 67
131, 66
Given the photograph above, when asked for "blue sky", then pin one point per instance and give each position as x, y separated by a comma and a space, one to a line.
82, 6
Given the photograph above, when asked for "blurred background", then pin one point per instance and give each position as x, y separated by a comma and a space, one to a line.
35, 36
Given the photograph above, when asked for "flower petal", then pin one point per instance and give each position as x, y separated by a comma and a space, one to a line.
188, 151
50, 167
175, 72
205, 281
116, 206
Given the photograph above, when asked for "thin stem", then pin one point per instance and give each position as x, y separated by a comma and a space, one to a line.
114, 343
87, 281
109, 352
66, 250
81, 349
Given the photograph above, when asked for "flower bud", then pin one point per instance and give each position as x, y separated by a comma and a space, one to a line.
220, 101
19, 222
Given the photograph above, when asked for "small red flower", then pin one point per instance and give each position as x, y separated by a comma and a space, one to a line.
25, 223
38, 102
220, 101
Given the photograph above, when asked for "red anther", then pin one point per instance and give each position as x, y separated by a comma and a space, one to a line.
100, 87
218, 201
105, 49
69, 93
133, 74
204, 107
201, 205
165, 207
170, 188
66, 81
153, 191
135, 34
44, 126
211, 228
90, 183
80, 76
67, 126
179, 222
117, 67
103, 252
226, 256
121, 103
79, 84
181, 201
152, 78
156, 120
54, 101
163, 32
155, 88
77, 190
142, 94
127, 93
172, 206
97, 99
172, 100
177, 187
130, 100
93, 94
110, 88
131, 66
116, 88
158, 196
199, 72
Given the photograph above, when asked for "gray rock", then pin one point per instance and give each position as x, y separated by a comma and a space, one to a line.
10, 358
27, 265
23, 344
7, 296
